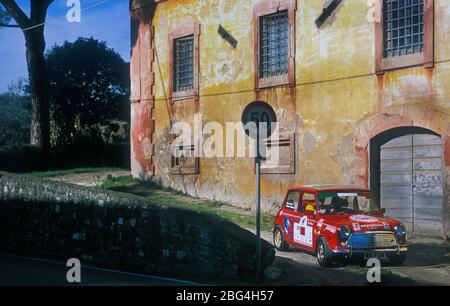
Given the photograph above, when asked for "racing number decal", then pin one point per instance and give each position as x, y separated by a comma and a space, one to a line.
303, 233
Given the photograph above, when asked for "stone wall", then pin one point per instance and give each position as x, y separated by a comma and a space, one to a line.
60, 221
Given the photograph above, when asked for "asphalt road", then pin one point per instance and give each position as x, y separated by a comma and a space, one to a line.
29, 271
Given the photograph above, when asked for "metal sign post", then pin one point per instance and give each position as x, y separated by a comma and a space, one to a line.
261, 114
258, 206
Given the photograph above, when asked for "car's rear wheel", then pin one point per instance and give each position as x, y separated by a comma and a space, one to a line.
323, 253
278, 240
398, 260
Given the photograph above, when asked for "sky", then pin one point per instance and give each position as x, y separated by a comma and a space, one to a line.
105, 20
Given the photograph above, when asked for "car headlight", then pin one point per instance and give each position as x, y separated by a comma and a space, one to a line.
343, 233
400, 232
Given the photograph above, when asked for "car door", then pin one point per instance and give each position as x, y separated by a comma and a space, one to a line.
289, 214
305, 224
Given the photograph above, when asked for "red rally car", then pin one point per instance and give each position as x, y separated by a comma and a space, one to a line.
336, 222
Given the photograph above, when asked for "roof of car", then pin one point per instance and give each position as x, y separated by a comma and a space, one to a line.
330, 187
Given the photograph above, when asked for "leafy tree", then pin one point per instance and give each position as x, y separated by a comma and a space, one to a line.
89, 92
4, 18
15, 114
33, 30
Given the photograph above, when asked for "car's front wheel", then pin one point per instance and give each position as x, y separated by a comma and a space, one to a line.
323, 253
278, 240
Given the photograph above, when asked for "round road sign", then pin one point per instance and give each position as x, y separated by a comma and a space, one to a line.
259, 112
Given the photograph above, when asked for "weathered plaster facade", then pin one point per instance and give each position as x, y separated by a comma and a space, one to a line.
336, 104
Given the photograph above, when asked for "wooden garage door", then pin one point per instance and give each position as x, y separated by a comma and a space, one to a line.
411, 182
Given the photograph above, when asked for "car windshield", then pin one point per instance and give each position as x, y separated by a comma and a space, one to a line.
346, 202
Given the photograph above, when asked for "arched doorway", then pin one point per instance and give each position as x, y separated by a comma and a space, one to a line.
406, 173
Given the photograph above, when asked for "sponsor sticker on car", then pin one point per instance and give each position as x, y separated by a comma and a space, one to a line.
303, 233
356, 226
363, 218
331, 228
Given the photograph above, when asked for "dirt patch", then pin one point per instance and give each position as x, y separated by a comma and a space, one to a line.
90, 179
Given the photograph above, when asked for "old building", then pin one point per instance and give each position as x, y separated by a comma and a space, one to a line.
361, 90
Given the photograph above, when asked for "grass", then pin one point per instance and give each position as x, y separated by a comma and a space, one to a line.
118, 182
173, 197
53, 173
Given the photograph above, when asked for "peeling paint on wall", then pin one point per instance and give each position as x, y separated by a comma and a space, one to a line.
335, 100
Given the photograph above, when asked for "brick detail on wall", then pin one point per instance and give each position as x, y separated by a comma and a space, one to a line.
267, 7
142, 88
418, 116
426, 58
179, 31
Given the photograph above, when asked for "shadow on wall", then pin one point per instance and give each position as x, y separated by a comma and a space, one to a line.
59, 221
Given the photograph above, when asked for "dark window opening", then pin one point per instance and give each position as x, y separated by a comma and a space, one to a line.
403, 27
274, 45
183, 160
184, 63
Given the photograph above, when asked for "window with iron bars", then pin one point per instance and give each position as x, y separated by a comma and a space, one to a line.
403, 27
273, 45
183, 63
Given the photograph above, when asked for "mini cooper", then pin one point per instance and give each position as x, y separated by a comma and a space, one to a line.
337, 223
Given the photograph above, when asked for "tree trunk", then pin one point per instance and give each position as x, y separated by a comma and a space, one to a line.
33, 30
39, 87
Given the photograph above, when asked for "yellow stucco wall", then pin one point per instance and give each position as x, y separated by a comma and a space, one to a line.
336, 89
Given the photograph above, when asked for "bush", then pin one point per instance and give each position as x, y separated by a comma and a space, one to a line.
15, 119
26, 158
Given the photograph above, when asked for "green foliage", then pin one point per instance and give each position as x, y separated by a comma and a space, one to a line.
108, 132
5, 18
118, 182
89, 93
26, 158
15, 115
